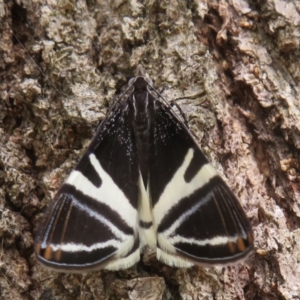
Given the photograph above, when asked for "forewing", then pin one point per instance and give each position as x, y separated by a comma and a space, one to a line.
93, 222
198, 218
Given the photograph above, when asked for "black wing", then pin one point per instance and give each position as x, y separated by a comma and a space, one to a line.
198, 218
93, 220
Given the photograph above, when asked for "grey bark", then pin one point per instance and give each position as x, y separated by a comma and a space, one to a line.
233, 67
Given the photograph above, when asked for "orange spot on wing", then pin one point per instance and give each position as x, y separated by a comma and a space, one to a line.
231, 247
240, 244
58, 255
48, 253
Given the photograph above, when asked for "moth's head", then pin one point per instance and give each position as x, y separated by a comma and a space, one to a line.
140, 71
142, 79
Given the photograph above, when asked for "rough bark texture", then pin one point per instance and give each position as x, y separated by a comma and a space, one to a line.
234, 68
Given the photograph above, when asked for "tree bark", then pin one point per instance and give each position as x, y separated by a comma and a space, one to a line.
233, 68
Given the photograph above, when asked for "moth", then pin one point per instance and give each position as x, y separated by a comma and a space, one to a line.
143, 180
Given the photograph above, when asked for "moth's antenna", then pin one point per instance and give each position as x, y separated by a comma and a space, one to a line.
38, 67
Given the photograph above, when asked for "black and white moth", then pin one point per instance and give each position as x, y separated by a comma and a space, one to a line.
142, 181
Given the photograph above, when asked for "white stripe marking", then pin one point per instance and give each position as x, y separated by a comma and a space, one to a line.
115, 230
165, 238
145, 211
134, 106
72, 247
178, 188
108, 193
147, 235
166, 243
124, 262
128, 239
215, 241
172, 260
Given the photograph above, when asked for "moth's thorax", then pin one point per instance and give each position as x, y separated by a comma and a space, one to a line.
142, 104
